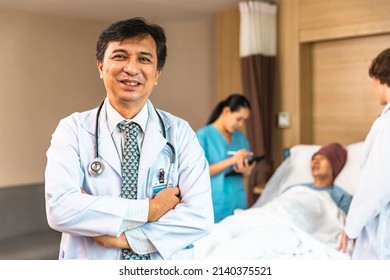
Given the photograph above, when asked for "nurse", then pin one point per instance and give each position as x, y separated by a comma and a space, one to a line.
115, 195
368, 220
227, 151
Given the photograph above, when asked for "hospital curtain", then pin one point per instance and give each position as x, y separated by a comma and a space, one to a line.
258, 59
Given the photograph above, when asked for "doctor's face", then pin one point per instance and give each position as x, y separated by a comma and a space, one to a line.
129, 72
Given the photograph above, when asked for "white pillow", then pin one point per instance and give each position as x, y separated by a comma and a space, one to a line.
299, 171
349, 177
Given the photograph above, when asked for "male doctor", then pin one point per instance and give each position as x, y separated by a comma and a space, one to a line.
84, 175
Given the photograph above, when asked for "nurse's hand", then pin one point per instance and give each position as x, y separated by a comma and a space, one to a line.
244, 167
164, 201
239, 156
112, 242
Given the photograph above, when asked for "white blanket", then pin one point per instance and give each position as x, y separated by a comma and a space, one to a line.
300, 223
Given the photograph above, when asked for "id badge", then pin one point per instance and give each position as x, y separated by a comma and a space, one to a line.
161, 182
157, 189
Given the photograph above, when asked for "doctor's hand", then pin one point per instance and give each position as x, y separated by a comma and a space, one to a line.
343, 242
112, 242
164, 201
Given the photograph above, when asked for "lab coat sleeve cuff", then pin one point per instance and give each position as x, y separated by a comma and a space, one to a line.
138, 210
138, 242
351, 233
136, 214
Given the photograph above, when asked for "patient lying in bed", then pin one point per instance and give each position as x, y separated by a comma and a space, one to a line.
303, 221
325, 165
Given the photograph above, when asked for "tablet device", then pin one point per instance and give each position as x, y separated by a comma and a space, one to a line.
256, 159
250, 161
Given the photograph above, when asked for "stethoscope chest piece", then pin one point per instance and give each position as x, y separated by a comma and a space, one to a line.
96, 168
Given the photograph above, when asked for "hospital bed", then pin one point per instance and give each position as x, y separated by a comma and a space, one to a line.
286, 223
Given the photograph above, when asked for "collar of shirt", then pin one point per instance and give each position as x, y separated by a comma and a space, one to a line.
113, 118
385, 109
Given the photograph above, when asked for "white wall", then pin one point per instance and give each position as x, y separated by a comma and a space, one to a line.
187, 86
48, 70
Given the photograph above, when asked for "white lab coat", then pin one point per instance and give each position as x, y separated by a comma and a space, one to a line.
80, 216
368, 218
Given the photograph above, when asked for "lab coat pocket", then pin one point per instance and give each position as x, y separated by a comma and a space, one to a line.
174, 178
160, 172
160, 178
185, 254
159, 181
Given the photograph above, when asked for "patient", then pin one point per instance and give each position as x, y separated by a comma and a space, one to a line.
325, 165
302, 221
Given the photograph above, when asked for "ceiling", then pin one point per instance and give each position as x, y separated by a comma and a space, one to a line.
112, 10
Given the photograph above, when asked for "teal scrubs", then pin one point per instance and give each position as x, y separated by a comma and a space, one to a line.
228, 192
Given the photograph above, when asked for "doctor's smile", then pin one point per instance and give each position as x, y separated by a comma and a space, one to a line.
131, 83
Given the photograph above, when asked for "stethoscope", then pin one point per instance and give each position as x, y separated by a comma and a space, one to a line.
96, 167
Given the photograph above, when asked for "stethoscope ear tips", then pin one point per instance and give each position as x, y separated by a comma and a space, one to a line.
96, 168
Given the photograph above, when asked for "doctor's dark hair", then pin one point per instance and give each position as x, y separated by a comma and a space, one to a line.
380, 67
234, 101
131, 28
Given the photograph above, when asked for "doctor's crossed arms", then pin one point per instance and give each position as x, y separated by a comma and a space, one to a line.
164, 201
126, 180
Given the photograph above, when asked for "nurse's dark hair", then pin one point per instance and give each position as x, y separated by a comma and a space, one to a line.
137, 27
234, 101
380, 67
